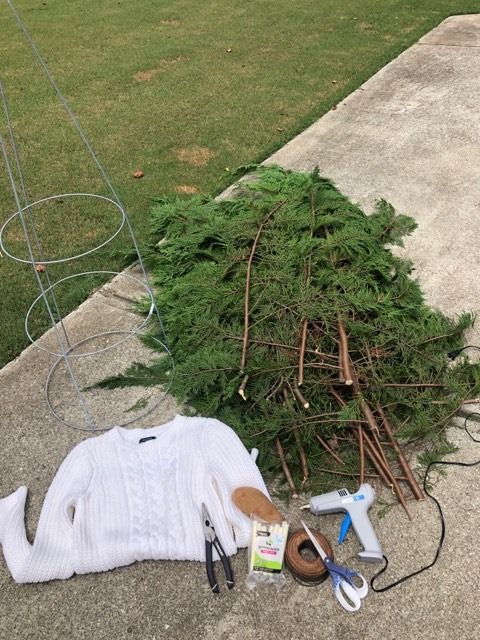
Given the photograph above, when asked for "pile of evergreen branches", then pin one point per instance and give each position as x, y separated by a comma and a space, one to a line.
289, 318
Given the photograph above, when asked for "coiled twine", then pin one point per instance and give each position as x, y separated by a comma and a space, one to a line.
307, 568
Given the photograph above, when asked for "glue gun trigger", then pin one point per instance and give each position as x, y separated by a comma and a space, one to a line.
344, 527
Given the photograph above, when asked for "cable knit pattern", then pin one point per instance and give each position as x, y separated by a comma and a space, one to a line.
116, 500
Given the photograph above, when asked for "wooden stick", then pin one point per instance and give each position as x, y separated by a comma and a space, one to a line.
276, 389
303, 457
387, 471
373, 425
412, 481
356, 475
414, 384
329, 450
345, 356
337, 396
341, 375
286, 470
303, 343
377, 465
247, 284
280, 345
298, 395
362, 455
241, 389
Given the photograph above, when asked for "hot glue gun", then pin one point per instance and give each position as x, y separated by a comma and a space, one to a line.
356, 506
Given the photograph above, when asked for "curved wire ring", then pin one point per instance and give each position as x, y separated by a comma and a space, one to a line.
89, 353
69, 355
58, 197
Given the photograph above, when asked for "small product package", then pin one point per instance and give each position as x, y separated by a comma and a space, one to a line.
266, 551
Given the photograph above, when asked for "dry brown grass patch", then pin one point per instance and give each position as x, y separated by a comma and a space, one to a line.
163, 65
196, 156
170, 23
186, 188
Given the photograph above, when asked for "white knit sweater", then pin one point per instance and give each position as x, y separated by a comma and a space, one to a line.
115, 500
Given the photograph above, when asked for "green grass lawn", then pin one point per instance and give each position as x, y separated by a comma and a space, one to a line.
185, 91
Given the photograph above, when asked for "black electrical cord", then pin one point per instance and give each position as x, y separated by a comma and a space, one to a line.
454, 354
442, 519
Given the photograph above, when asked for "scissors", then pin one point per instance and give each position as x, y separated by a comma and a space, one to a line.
346, 591
211, 541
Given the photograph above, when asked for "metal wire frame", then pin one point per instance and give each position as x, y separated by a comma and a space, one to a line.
133, 333
28, 208
36, 254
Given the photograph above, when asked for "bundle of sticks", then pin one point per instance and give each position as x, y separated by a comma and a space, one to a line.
372, 434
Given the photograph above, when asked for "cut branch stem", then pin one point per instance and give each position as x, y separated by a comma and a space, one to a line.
362, 455
301, 358
246, 311
302, 454
242, 387
299, 396
412, 481
329, 450
374, 455
286, 470
344, 354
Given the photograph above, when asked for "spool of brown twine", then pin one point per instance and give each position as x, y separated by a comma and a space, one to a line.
303, 560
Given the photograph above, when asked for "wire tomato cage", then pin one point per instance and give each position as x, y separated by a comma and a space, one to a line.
32, 225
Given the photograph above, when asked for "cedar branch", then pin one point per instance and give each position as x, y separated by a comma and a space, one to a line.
247, 284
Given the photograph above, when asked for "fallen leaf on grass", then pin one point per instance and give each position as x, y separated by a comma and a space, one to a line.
138, 174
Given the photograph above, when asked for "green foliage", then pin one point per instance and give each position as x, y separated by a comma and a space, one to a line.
320, 258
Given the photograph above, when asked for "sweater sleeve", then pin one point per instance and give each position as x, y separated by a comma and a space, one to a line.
52, 553
232, 467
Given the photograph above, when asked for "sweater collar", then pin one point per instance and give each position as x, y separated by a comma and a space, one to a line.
132, 437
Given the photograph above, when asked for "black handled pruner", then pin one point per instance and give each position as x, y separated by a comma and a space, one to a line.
211, 541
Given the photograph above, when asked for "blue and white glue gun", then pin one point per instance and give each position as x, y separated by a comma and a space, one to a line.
356, 506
